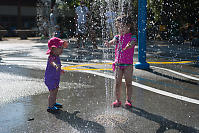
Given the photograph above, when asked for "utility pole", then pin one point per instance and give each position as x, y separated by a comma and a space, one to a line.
142, 17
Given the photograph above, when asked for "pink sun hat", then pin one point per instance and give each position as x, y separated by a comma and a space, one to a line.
54, 42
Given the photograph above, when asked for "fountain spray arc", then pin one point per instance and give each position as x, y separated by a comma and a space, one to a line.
142, 15
124, 6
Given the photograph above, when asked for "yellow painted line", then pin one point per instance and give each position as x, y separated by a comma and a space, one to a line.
175, 62
70, 68
90, 64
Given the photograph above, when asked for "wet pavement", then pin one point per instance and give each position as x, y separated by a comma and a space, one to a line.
165, 97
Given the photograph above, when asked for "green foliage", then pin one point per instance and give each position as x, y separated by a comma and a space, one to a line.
159, 12
179, 11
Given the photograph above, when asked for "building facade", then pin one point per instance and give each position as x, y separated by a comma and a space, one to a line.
17, 14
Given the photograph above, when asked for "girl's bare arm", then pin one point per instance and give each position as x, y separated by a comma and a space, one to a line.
55, 65
111, 42
130, 45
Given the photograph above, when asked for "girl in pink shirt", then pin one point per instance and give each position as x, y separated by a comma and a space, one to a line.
123, 64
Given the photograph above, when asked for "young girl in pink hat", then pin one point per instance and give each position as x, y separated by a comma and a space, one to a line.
123, 65
53, 71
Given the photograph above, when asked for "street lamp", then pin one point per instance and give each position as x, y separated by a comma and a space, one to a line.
142, 15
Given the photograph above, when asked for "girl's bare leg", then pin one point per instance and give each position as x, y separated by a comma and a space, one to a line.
52, 97
128, 72
55, 97
118, 82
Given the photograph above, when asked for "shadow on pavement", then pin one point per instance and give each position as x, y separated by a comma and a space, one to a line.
164, 123
196, 64
171, 77
83, 126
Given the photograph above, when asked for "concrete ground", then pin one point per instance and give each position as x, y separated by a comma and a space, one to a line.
165, 97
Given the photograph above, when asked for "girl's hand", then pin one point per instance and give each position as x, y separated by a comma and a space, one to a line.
62, 71
65, 45
57, 67
111, 42
107, 43
129, 45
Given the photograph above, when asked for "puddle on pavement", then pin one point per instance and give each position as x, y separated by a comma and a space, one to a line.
111, 119
12, 116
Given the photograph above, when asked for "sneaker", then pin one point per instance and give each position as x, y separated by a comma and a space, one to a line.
52, 109
58, 105
128, 104
117, 103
